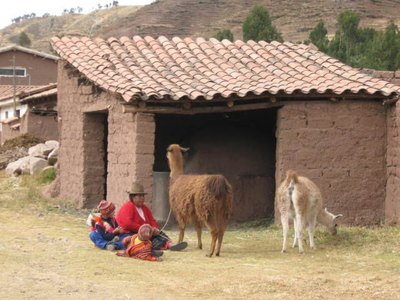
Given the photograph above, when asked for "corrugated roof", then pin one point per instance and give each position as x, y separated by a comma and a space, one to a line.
148, 68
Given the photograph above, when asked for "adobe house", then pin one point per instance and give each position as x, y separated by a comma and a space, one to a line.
40, 119
35, 108
31, 67
247, 110
9, 93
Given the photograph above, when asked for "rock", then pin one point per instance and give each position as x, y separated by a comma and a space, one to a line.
21, 166
37, 164
53, 157
47, 168
40, 150
52, 144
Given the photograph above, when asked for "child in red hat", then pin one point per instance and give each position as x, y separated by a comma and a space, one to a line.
104, 228
140, 246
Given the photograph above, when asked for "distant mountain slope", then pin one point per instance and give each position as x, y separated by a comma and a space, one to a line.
295, 19
40, 30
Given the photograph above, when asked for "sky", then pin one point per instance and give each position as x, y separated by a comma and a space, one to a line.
16, 8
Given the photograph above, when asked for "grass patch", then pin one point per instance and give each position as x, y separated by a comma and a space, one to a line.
24, 194
46, 176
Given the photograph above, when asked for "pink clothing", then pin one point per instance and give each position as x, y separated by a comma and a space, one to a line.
129, 219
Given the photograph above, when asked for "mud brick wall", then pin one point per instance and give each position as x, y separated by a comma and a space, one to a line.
392, 203
45, 127
84, 113
130, 153
71, 158
8, 132
341, 147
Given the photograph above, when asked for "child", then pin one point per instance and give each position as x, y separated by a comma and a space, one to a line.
104, 228
139, 245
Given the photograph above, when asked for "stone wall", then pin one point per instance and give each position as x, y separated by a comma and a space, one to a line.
341, 147
130, 144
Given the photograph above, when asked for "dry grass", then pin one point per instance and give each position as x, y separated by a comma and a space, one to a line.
45, 253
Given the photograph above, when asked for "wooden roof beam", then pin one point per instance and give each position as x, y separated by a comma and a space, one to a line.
198, 110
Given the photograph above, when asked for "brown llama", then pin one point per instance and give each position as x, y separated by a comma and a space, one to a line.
299, 198
201, 199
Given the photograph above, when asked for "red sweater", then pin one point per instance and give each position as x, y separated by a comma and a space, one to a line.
130, 220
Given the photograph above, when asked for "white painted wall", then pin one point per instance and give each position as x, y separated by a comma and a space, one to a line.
8, 106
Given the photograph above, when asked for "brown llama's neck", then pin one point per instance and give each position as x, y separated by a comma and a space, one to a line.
175, 173
175, 165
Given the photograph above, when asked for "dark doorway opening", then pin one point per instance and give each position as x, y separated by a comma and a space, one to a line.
95, 145
239, 145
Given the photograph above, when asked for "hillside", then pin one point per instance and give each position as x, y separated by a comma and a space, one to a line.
40, 29
294, 19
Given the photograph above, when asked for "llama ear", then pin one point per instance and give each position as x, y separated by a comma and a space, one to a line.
184, 149
338, 216
326, 210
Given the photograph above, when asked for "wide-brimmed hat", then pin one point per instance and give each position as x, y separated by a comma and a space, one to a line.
136, 189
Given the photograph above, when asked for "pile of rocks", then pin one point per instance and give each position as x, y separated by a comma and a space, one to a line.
40, 157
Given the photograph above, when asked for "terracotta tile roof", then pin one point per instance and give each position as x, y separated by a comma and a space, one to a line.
144, 68
391, 76
38, 92
21, 91
7, 91
38, 95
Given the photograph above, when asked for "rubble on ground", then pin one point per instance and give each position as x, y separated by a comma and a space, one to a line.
38, 157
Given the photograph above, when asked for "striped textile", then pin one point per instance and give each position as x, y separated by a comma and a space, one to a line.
140, 249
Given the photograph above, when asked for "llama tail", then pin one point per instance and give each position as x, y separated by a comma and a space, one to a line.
291, 180
221, 189
219, 186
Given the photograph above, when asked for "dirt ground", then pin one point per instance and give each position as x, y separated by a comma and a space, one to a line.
45, 253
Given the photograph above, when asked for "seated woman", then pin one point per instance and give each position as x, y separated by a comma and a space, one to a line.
134, 213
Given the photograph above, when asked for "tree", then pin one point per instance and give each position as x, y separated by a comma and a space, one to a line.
360, 47
318, 36
224, 34
391, 46
24, 39
383, 52
343, 45
258, 26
